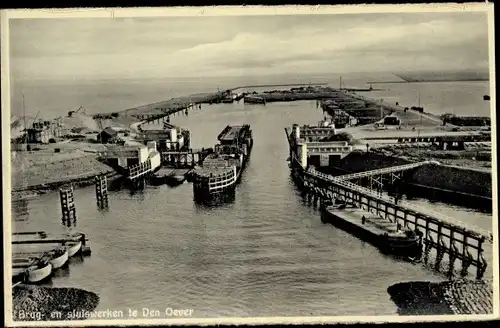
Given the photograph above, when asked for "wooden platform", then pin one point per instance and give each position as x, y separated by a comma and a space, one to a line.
374, 224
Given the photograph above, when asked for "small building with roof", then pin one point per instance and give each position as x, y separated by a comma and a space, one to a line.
108, 135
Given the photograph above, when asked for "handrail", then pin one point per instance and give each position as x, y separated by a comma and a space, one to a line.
382, 171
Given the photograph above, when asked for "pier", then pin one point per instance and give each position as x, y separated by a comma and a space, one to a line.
457, 242
365, 190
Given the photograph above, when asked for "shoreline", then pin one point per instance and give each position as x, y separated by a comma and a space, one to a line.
455, 297
36, 303
179, 103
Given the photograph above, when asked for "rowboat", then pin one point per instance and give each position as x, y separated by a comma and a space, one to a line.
73, 247
59, 257
39, 272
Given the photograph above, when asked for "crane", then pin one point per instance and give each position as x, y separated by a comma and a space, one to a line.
71, 112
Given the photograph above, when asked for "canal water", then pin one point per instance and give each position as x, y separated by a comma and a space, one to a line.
265, 254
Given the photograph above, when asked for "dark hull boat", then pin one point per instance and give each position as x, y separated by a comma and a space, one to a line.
386, 235
215, 181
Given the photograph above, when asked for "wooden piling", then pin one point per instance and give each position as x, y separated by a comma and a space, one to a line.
101, 190
68, 209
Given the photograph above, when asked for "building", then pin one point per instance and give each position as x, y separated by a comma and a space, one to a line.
125, 156
40, 132
392, 120
170, 138
314, 145
108, 135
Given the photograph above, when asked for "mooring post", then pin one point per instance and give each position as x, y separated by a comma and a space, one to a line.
481, 262
67, 206
101, 190
439, 246
405, 219
452, 255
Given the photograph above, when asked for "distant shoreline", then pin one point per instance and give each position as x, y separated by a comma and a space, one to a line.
428, 81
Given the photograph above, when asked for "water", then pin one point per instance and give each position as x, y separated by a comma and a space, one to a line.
56, 98
265, 254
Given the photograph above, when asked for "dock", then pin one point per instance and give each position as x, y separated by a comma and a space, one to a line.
39, 265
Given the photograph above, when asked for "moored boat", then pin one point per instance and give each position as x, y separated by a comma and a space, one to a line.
221, 171
73, 247
39, 271
386, 235
59, 257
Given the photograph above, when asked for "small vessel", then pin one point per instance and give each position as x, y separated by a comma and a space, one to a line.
174, 180
34, 272
221, 170
75, 246
38, 273
486, 97
386, 235
59, 257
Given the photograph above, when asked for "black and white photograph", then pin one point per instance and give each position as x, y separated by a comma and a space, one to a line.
241, 164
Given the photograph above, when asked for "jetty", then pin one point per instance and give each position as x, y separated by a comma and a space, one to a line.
311, 147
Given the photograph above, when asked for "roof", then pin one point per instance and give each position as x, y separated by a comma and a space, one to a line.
109, 131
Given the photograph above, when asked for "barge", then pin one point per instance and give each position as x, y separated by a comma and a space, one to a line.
382, 233
221, 170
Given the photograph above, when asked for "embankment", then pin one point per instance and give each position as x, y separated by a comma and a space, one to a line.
441, 298
35, 303
46, 175
452, 178
294, 96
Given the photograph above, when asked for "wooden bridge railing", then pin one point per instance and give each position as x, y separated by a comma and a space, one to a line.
140, 169
444, 237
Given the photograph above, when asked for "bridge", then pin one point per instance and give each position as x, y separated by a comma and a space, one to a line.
383, 171
442, 235
184, 159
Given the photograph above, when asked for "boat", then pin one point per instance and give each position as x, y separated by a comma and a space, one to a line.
175, 179
384, 234
486, 97
221, 170
59, 257
32, 270
75, 246
39, 272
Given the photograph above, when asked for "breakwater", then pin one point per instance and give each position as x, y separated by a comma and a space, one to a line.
308, 94
34, 303
443, 298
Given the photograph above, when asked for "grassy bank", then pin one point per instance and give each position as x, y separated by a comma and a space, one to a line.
34, 303
46, 169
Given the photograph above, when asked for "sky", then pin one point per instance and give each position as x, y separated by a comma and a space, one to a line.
109, 48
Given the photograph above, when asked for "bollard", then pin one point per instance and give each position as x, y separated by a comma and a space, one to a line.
67, 207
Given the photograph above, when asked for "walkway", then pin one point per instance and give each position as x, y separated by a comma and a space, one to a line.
343, 181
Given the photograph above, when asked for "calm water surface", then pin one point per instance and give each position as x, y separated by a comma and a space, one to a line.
265, 254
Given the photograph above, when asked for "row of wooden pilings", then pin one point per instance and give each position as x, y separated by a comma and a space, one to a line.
67, 199
166, 114
441, 237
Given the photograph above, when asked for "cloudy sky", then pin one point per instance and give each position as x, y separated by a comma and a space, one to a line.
92, 48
